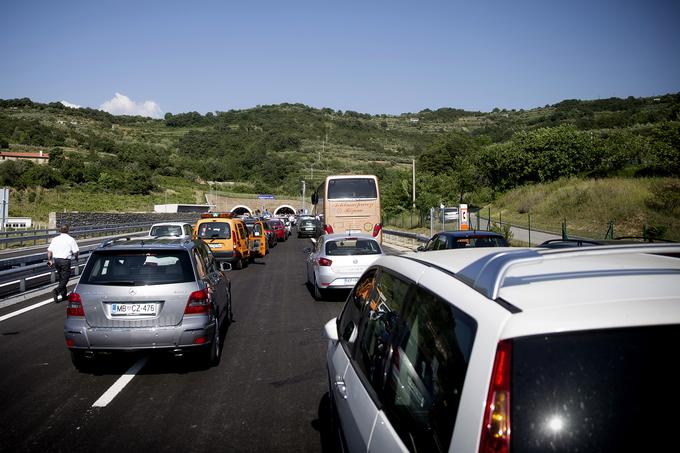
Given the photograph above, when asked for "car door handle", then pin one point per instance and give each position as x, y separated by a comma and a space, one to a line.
341, 388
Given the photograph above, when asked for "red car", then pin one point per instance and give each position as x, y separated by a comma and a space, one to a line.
279, 229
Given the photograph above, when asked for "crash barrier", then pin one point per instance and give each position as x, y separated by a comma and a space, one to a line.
403, 238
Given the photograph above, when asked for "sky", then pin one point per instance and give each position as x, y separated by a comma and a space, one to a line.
370, 56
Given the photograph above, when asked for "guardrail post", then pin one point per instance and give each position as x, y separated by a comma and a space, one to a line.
53, 277
22, 285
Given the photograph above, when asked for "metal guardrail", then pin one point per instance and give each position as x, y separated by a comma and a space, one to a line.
24, 278
404, 239
22, 237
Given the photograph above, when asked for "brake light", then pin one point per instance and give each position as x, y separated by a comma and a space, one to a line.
198, 303
376, 229
75, 305
324, 262
328, 229
496, 428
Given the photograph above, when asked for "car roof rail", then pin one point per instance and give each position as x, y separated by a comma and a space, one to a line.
487, 274
109, 242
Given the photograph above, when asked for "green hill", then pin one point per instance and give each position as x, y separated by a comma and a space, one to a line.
460, 155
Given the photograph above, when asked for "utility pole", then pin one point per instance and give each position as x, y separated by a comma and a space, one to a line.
414, 184
303, 195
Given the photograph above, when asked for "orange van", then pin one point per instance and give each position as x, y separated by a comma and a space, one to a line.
226, 236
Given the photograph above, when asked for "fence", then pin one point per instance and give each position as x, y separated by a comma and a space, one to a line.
523, 233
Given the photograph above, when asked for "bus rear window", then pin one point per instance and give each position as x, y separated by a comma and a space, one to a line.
352, 188
606, 390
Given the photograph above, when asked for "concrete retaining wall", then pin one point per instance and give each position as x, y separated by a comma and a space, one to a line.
83, 219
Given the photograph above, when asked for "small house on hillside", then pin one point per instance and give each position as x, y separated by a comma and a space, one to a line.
39, 157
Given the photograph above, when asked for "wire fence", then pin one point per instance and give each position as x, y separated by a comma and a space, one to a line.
528, 231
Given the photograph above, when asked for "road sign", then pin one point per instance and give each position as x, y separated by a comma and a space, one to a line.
266, 197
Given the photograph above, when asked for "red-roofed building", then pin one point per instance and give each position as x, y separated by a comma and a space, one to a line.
39, 158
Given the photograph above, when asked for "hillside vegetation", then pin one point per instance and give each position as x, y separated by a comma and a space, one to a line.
130, 163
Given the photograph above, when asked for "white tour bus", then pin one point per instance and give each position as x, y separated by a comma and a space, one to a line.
349, 203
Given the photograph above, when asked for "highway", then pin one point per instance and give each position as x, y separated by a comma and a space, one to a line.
266, 395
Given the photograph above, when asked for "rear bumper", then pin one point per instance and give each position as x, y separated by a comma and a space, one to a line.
80, 336
229, 257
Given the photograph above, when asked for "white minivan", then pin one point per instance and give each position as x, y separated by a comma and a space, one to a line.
509, 350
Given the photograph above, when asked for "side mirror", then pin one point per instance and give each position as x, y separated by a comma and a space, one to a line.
330, 330
313, 240
420, 248
315, 198
225, 267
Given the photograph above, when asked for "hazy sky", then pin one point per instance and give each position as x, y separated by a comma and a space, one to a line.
153, 57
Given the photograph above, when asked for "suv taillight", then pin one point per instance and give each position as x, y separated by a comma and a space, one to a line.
325, 262
496, 428
376, 229
198, 303
328, 229
75, 305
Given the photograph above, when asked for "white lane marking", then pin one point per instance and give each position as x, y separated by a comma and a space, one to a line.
24, 310
120, 384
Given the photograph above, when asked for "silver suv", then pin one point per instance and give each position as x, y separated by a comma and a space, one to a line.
500, 349
148, 294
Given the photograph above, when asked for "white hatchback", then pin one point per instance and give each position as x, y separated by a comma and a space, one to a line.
171, 229
338, 260
509, 350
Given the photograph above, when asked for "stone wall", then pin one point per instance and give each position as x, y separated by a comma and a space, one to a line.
85, 219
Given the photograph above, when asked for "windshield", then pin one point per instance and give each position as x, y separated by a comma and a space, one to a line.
166, 230
214, 230
137, 268
352, 188
607, 390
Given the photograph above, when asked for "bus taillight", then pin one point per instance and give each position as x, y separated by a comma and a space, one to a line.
376, 229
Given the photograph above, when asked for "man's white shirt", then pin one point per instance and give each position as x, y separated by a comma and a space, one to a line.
63, 246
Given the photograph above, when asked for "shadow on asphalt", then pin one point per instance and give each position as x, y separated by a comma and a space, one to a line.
324, 425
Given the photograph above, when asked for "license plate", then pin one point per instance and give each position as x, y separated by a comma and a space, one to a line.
215, 246
133, 309
351, 281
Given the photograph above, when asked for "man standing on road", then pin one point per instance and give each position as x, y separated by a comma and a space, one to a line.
62, 249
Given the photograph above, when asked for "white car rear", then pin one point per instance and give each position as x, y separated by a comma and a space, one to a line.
338, 260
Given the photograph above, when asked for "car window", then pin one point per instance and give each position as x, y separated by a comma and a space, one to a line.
379, 321
424, 379
201, 270
351, 314
214, 230
187, 230
352, 247
137, 268
601, 390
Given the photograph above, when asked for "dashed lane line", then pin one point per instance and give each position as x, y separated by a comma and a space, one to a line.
120, 384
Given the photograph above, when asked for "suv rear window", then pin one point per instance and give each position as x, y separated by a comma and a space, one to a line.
605, 390
138, 268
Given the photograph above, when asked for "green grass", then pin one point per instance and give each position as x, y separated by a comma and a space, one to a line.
588, 205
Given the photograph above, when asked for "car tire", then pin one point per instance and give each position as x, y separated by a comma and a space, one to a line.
239, 264
213, 353
80, 362
318, 292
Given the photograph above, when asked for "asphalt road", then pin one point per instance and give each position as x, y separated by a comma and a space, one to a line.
266, 395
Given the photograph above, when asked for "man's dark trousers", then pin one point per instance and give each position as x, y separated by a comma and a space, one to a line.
63, 268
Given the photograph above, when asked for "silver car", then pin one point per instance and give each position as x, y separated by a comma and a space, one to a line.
338, 260
155, 294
